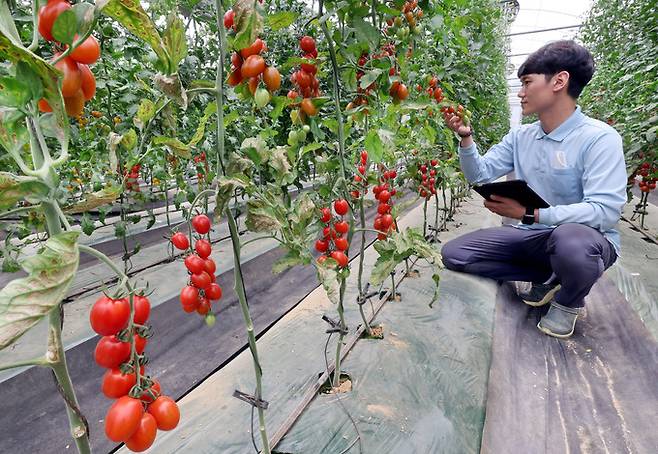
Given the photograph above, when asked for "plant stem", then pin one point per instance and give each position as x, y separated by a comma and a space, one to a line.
244, 305
41, 361
425, 217
341, 337
362, 217
219, 87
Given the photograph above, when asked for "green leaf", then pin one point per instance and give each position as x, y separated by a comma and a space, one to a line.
282, 19
13, 51
210, 110
65, 27
370, 77
280, 102
14, 188
365, 32
13, 92
174, 145
87, 224
132, 16
248, 23
292, 258
84, 14
26, 75
174, 40
374, 146
25, 301
328, 276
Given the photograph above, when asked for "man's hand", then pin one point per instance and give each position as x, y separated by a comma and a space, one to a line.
503, 206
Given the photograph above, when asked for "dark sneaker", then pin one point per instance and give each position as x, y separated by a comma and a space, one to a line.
539, 294
559, 321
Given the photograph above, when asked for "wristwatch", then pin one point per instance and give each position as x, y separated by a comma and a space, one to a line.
529, 216
463, 136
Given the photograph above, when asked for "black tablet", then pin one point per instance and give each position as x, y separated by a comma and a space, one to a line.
513, 189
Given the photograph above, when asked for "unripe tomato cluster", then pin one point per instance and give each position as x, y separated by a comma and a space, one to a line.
78, 85
361, 178
202, 287
406, 22
384, 222
647, 184
333, 243
460, 111
428, 180
306, 84
139, 409
249, 66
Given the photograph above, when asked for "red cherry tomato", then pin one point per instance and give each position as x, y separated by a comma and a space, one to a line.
166, 412
109, 316
203, 248
340, 258
88, 84
142, 309
194, 263
110, 352
201, 224
144, 435
116, 384
189, 297
229, 18
214, 291
123, 418
322, 245
341, 207
200, 280
307, 44
88, 52
47, 16
204, 306
180, 241
342, 227
341, 243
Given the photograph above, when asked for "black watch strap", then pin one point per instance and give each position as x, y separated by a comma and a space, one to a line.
529, 217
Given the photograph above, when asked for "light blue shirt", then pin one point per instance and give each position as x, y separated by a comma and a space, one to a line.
578, 168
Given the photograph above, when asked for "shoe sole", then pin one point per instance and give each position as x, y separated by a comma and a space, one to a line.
552, 334
545, 300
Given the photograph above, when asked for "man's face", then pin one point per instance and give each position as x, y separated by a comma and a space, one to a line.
536, 93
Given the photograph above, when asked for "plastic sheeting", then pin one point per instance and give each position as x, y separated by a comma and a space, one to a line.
422, 389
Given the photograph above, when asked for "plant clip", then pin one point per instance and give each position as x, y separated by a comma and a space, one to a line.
252, 400
335, 326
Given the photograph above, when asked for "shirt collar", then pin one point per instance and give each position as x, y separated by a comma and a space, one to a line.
562, 131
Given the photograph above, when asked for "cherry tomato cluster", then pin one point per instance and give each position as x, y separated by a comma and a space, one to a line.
201, 288
387, 51
139, 409
647, 184
201, 166
78, 85
384, 192
460, 111
427, 171
305, 81
333, 242
249, 65
131, 178
361, 178
411, 13
433, 89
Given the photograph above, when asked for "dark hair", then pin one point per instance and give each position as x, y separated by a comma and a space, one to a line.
562, 56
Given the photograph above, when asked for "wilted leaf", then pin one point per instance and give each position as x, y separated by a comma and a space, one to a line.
95, 199
248, 23
175, 146
25, 301
14, 188
328, 276
171, 86
174, 40
225, 188
261, 217
132, 16
145, 112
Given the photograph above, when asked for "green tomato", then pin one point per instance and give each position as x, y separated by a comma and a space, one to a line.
294, 117
261, 97
306, 128
292, 138
301, 135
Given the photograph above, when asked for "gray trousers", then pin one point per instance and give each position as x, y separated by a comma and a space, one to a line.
575, 255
